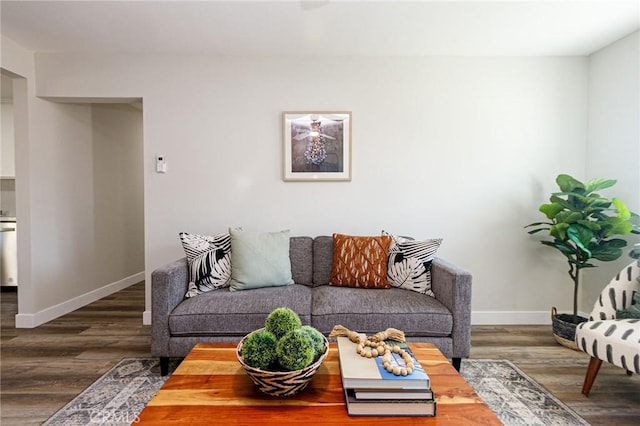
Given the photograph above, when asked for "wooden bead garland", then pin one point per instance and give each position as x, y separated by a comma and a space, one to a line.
384, 350
379, 347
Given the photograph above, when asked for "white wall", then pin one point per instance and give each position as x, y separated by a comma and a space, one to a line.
460, 148
61, 198
613, 149
118, 193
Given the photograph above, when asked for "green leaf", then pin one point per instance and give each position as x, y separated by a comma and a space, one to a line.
537, 224
568, 217
556, 199
614, 242
581, 236
598, 184
623, 211
617, 226
567, 183
576, 200
606, 254
535, 231
565, 249
597, 206
551, 210
596, 201
583, 264
594, 226
564, 203
599, 216
559, 231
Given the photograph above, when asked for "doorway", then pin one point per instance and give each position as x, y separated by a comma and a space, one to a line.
87, 183
8, 226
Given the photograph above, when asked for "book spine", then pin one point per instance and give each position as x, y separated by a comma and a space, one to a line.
386, 394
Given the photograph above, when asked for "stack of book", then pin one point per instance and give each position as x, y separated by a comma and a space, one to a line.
370, 390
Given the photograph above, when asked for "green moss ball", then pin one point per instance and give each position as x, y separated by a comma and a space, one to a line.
259, 349
281, 321
295, 350
317, 339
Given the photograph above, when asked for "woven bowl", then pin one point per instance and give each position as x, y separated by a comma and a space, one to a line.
281, 383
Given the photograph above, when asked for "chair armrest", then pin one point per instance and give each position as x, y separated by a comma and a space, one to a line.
168, 286
452, 287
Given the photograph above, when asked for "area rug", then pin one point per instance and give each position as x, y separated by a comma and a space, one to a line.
121, 393
514, 397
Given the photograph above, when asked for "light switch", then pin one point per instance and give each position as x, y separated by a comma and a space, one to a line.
161, 164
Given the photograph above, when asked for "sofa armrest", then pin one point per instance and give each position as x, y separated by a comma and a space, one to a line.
168, 286
452, 287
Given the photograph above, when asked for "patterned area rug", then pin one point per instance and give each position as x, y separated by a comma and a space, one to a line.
122, 392
516, 398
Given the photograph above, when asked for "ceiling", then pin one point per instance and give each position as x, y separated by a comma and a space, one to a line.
322, 28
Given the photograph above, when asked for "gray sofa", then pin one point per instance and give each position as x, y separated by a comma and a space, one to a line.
227, 316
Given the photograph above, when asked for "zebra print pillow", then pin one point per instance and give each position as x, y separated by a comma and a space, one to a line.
209, 260
409, 264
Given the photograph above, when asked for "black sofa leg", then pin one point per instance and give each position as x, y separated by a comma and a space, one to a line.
456, 363
164, 365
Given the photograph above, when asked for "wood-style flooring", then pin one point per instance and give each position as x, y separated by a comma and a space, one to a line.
44, 368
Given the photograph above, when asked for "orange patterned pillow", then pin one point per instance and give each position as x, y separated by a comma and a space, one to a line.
360, 261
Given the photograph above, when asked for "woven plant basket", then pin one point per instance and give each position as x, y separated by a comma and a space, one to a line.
564, 330
281, 383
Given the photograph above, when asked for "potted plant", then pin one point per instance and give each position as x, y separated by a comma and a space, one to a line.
582, 225
282, 357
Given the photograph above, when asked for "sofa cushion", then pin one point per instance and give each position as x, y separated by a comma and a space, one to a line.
409, 264
209, 260
360, 261
301, 255
372, 310
322, 259
229, 313
259, 259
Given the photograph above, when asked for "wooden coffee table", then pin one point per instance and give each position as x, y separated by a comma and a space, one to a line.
210, 387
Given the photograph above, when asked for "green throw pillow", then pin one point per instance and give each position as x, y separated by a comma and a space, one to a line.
633, 311
259, 259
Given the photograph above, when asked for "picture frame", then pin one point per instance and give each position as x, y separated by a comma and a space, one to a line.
316, 146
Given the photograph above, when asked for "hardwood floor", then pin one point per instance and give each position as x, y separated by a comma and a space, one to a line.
46, 367
614, 398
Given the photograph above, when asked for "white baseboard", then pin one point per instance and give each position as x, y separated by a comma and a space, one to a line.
56, 311
146, 318
512, 317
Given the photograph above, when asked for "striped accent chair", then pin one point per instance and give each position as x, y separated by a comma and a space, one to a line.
606, 338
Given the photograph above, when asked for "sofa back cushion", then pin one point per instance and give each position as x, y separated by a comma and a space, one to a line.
301, 256
360, 261
259, 259
322, 260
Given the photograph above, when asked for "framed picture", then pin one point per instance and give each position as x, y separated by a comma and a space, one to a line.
317, 146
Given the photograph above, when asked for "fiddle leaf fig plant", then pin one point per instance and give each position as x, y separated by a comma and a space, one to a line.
582, 225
